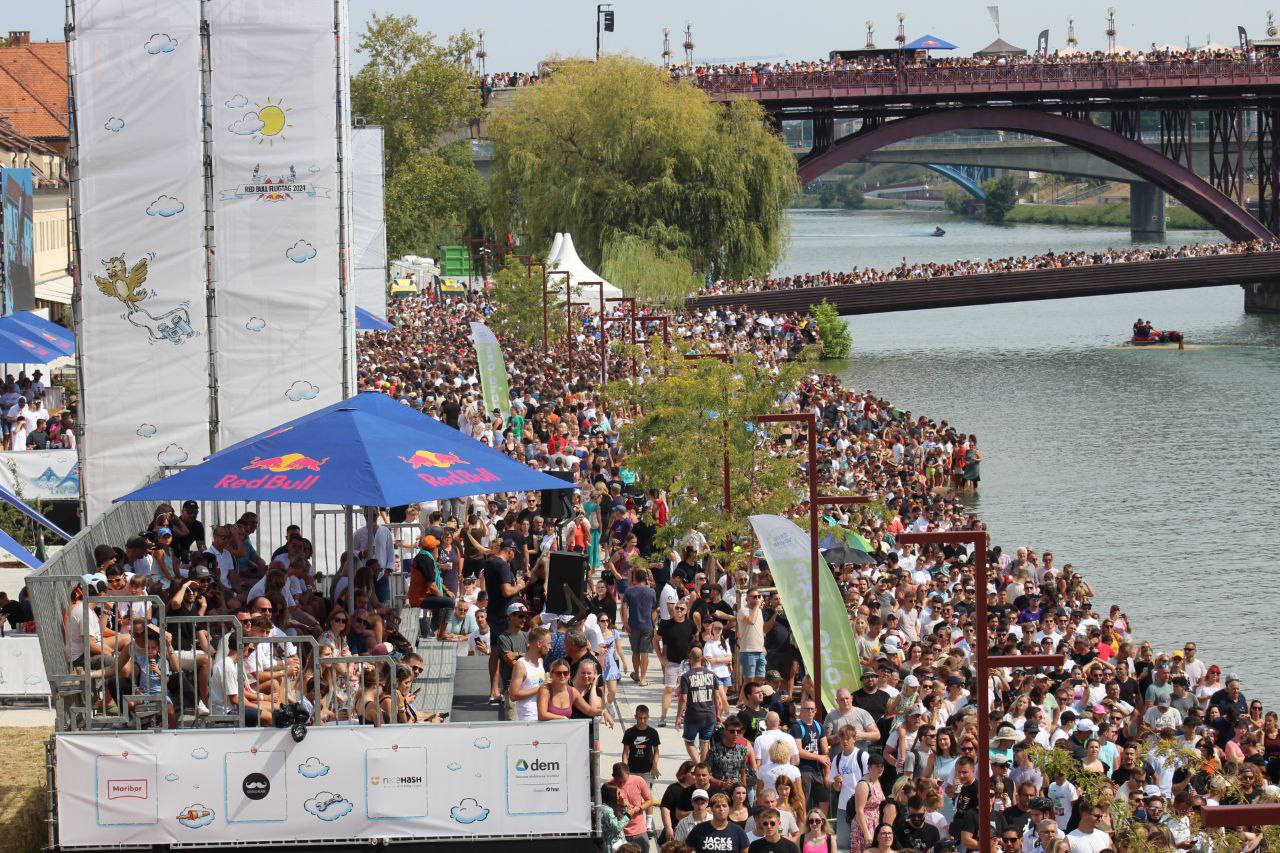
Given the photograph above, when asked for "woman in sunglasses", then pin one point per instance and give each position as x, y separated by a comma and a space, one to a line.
817, 838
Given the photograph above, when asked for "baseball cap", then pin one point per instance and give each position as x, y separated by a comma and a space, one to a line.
516, 607
955, 680
198, 573
136, 542
1000, 758
102, 553
1041, 804
429, 542
910, 681
700, 794
1006, 732
190, 505
508, 542
1086, 726
945, 844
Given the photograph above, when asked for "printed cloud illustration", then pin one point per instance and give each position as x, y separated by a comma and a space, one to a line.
300, 252
313, 168
199, 753
114, 124
195, 816
237, 101
160, 43
256, 324
247, 125
302, 390
482, 743
165, 206
468, 811
172, 777
173, 454
327, 806
454, 766
146, 430
313, 768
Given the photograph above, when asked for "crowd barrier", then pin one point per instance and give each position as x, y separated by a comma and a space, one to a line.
238, 787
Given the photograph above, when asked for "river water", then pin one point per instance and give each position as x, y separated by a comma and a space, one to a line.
1152, 471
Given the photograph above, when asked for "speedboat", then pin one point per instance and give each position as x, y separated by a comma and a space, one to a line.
1156, 337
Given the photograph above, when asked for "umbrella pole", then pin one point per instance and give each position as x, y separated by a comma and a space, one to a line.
351, 564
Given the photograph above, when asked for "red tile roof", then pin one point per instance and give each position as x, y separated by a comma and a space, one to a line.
33, 89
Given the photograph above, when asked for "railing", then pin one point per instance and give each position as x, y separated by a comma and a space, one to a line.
1110, 73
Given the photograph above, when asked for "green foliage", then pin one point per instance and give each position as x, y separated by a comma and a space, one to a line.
677, 441
827, 195
957, 200
832, 330
851, 197
649, 272
1002, 197
1111, 215
612, 148
417, 89
517, 297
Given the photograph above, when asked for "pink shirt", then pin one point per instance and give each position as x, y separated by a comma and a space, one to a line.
635, 791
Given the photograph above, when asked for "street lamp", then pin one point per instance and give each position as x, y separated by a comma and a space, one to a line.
983, 661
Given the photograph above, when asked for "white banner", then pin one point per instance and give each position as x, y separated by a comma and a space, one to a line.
275, 113
47, 475
224, 786
368, 221
140, 205
21, 667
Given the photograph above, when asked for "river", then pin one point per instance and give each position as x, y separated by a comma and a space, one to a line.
1152, 471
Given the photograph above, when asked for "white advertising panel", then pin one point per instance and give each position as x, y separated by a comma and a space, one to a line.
221, 786
46, 475
140, 208
275, 113
368, 222
21, 667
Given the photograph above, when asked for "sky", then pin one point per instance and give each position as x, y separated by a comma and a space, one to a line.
519, 33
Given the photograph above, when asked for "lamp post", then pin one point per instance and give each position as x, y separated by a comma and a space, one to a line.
983, 661
546, 317
724, 425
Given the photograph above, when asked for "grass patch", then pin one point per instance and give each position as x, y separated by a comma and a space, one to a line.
803, 201
23, 793
1111, 215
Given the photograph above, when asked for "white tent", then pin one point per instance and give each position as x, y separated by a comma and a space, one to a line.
564, 258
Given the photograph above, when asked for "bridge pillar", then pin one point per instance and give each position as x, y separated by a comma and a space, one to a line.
1262, 297
1146, 210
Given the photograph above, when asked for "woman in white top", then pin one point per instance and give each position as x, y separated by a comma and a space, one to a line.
716, 653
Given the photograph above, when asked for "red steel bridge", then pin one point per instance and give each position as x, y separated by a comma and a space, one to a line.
1097, 106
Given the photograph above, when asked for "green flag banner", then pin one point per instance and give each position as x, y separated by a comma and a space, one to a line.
786, 548
493, 370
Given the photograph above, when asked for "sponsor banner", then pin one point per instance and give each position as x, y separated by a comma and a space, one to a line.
786, 548
225, 786
368, 222
18, 261
46, 475
140, 198
273, 101
21, 667
493, 370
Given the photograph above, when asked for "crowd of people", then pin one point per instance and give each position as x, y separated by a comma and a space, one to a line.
27, 423
908, 271
1121, 742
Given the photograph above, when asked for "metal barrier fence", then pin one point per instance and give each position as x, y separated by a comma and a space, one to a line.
348, 679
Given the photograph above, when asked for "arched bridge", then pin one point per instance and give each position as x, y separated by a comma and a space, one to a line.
1257, 271
1098, 106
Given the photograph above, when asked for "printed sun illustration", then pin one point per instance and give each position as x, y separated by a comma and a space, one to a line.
275, 121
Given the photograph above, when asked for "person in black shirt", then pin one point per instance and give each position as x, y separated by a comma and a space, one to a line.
718, 835
914, 833
183, 542
675, 638
640, 745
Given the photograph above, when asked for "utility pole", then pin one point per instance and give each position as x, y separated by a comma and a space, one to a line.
604, 20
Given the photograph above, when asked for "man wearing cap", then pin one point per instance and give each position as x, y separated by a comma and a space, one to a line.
701, 814
188, 530
897, 749
137, 559
1161, 715
1006, 737
501, 587
718, 835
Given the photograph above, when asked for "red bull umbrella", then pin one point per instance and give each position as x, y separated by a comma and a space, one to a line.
366, 450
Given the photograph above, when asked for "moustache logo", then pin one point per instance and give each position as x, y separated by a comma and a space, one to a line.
256, 786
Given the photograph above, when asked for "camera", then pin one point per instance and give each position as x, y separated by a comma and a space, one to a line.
294, 717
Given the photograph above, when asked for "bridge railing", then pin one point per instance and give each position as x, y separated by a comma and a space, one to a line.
1109, 72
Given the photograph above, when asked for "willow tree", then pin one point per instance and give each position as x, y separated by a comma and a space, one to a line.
615, 148
677, 440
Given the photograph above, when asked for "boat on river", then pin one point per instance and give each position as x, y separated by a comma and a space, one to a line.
1154, 337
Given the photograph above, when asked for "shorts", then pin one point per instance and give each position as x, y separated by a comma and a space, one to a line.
695, 731
671, 673
751, 664
642, 642
726, 682
187, 659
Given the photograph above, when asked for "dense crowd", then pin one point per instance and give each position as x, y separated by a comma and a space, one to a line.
907, 271
1085, 756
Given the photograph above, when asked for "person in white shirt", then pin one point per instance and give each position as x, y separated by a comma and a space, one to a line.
672, 592
223, 561
1087, 838
375, 542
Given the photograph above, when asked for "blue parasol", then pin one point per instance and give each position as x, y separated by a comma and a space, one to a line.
367, 321
38, 328
366, 450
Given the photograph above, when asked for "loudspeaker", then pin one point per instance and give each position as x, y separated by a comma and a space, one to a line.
567, 571
556, 502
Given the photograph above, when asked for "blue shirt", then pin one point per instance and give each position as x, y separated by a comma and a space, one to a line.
640, 601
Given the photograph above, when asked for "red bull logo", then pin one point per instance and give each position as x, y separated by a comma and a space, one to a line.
279, 468
431, 459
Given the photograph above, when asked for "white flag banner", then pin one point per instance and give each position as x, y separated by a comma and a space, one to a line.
227, 787
368, 220
46, 475
135, 66
275, 109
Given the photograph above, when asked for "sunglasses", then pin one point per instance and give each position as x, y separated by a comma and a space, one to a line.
816, 821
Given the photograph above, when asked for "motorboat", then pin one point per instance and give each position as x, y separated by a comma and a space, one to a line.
1156, 337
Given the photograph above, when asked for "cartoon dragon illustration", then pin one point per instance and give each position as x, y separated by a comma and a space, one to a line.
123, 283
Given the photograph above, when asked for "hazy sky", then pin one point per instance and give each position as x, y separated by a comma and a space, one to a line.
518, 34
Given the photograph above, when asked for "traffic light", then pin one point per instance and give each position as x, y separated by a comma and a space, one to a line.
608, 21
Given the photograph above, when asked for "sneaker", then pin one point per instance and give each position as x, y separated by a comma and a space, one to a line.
662, 724
202, 710
494, 700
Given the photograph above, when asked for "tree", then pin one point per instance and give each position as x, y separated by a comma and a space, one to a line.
832, 331
851, 197
957, 200
517, 297
677, 441
827, 195
417, 89
612, 148
649, 272
1002, 197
